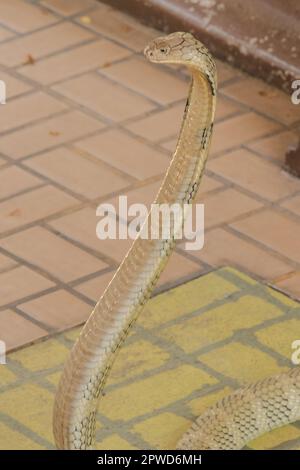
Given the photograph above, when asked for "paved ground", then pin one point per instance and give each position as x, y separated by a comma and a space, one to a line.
166, 374
88, 119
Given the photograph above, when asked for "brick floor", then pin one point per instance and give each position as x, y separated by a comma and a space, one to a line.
87, 120
173, 365
42, 43
23, 17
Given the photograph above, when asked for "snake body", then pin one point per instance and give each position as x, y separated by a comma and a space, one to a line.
244, 414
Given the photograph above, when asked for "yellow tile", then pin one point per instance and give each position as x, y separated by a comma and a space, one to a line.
220, 323
54, 378
31, 406
296, 446
186, 298
72, 334
136, 358
14, 440
238, 274
41, 356
275, 438
114, 442
162, 431
243, 363
6, 376
201, 404
284, 299
153, 393
281, 336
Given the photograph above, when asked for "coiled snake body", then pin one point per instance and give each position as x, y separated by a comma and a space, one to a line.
246, 413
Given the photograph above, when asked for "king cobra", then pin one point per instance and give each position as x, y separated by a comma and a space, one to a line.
246, 413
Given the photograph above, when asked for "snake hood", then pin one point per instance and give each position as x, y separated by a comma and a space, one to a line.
183, 49
175, 48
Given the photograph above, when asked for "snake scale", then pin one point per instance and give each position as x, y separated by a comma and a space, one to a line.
241, 416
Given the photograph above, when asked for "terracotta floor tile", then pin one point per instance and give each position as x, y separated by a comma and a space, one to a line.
5, 34
159, 125
240, 129
167, 123
16, 330
32, 206
29, 16
293, 204
255, 174
264, 98
6, 263
222, 248
59, 310
274, 230
170, 144
28, 282
147, 193
114, 82
14, 86
78, 60
28, 108
208, 183
179, 268
129, 155
52, 254
226, 108
114, 249
290, 284
143, 195
147, 79
14, 179
94, 288
67, 8
41, 43
120, 27
87, 177
225, 72
275, 146
106, 98
225, 205
81, 226
47, 134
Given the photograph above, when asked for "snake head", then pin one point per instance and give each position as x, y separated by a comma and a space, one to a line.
177, 47
183, 49
169, 49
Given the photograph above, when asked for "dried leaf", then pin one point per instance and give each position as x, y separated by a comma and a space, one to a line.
15, 212
85, 20
29, 60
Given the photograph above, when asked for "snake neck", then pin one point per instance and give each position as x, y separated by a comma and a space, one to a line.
92, 356
193, 144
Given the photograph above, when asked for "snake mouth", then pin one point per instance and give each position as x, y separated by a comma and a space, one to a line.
158, 52
149, 54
